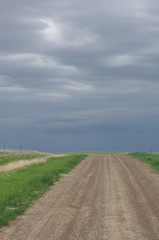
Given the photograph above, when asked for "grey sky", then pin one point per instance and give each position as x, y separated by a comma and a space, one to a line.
79, 75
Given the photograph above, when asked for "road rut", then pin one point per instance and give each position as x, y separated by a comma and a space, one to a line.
104, 197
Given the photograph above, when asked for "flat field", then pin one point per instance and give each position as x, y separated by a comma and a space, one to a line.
106, 197
12, 156
18, 188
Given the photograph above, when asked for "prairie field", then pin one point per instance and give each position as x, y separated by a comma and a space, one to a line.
19, 187
12, 156
106, 196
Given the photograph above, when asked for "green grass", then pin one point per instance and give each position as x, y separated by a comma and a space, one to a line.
6, 157
18, 188
151, 159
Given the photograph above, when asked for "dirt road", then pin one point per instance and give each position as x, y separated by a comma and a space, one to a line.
104, 197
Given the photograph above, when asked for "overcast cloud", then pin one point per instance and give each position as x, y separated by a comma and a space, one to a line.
79, 75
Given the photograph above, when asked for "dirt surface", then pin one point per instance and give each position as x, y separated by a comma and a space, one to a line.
22, 163
105, 197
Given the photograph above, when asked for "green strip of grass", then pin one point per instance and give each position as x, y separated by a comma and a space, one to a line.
6, 157
151, 159
18, 188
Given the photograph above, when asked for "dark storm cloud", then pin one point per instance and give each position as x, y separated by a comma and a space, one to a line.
79, 68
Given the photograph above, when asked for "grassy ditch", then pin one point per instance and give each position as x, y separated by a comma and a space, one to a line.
151, 159
6, 157
18, 188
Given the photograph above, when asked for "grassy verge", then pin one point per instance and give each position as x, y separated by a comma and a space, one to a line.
151, 159
18, 188
6, 157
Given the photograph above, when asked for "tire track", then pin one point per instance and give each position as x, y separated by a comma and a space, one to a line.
140, 198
